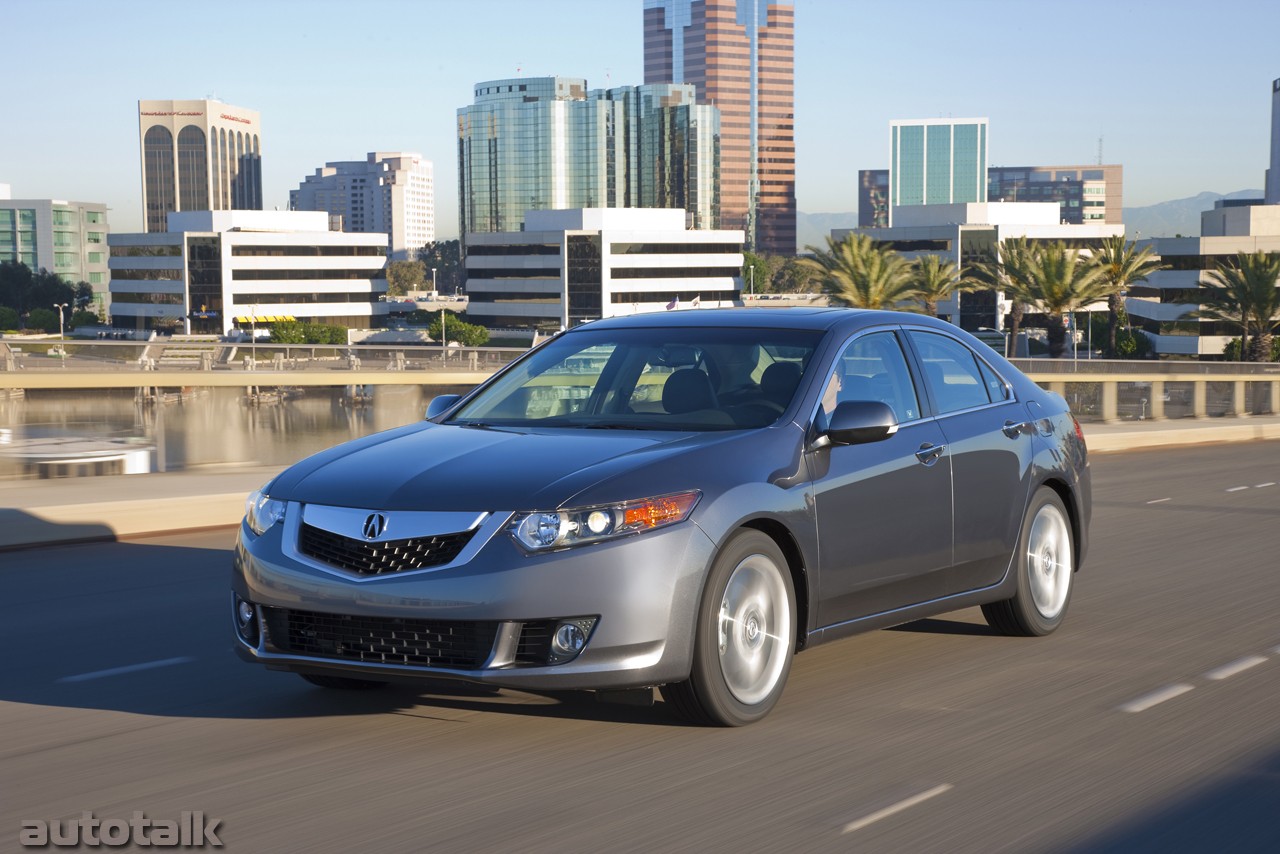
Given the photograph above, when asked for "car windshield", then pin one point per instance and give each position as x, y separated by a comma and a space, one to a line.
711, 378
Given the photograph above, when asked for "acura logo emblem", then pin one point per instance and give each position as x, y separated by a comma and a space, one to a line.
374, 526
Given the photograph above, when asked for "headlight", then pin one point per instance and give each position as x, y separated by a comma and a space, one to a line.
558, 529
261, 512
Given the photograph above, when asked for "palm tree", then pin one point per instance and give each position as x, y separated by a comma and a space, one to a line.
936, 280
861, 273
1060, 281
1122, 265
1004, 269
1245, 293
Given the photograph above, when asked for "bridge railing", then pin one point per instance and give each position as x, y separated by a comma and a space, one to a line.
1098, 390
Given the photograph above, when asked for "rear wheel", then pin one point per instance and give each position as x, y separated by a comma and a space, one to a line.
744, 636
341, 683
1045, 567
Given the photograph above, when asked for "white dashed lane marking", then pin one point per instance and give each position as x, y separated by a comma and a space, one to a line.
1265, 485
130, 668
1226, 671
1237, 489
1155, 698
896, 808
1160, 501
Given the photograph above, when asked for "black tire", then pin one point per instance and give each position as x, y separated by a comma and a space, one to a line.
1045, 568
740, 663
342, 683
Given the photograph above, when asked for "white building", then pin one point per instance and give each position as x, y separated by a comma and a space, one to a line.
964, 233
63, 237
1160, 305
571, 266
215, 270
388, 192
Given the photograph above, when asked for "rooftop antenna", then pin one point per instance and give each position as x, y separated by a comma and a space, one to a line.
1099, 150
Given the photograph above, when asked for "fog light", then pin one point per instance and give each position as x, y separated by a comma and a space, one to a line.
246, 621
568, 641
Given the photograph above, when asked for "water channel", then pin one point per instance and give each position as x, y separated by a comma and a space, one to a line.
206, 427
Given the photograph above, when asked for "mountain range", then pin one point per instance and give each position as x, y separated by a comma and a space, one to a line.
1163, 219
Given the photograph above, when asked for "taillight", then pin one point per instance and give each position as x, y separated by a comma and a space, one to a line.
1079, 432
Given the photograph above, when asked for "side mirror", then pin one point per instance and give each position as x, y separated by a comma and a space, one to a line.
440, 404
857, 422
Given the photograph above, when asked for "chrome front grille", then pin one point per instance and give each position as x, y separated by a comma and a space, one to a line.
379, 558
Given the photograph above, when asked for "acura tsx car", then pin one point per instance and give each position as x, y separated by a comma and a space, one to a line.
681, 500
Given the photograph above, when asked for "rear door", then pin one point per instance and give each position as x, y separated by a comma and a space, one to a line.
990, 455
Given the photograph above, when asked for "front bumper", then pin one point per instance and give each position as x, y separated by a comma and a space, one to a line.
482, 617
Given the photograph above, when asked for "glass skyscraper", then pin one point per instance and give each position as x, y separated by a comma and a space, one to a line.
937, 162
550, 144
740, 54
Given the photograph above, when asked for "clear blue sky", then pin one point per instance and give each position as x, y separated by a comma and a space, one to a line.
1180, 91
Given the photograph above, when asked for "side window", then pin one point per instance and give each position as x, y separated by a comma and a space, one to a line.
951, 372
873, 367
996, 389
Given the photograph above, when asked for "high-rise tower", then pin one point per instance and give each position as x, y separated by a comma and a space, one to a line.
1273, 174
937, 162
740, 55
198, 156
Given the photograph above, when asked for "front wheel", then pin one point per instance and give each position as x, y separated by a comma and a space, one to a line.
1045, 566
744, 637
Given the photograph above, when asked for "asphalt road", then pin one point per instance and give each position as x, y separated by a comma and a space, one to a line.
1148, 723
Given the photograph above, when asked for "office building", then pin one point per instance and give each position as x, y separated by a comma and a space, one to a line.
198, 156
212, 271
550, 144
937, 162
1084, 193
66, 238
1160, 305
392, 193
966, 233
566, 267
1272, 196
740, 54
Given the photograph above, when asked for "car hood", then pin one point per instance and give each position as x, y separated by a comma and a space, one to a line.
444, 467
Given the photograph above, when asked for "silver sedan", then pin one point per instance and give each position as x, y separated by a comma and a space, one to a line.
682, 500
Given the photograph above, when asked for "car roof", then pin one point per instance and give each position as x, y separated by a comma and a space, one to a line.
823, 319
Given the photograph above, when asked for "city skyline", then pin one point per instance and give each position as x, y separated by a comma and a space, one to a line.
1181, 118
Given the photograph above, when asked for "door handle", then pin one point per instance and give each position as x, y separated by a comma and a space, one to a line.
929, 454
1014, 429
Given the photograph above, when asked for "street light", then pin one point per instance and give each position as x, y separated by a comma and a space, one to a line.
433, 283
60, 306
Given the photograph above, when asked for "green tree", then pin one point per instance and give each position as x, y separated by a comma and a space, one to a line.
1245, 293
1060, 280
1123, 265
1004, 269
405, 276
793, 277
861, 273
83, 318
8, 317
445, 257
936, 280
287, 332
44, 319
457, 329
757, 277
